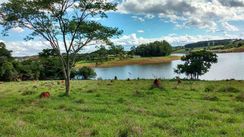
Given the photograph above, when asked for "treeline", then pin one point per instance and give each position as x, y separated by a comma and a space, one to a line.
210, 43
105, 54
154, 49
46, 67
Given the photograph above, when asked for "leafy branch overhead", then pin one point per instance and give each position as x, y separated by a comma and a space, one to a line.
66, 24
53, 19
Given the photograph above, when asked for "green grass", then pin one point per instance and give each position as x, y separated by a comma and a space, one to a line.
123, 108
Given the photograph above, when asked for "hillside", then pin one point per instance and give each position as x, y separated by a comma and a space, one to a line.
218, 46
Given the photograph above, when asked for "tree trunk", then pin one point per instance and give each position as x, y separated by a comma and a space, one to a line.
67, 86
67, 82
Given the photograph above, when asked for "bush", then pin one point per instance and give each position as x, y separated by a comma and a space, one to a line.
240, 97
28, 92
86, 73
209, 88
157, 48
210, 98
229, 89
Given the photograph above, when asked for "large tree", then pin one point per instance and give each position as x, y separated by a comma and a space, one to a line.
65, 24
196, 63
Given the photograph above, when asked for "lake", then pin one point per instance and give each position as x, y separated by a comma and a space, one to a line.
229, 66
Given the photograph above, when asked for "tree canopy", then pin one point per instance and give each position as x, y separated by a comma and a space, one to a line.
154, 49
196, 63
65, 24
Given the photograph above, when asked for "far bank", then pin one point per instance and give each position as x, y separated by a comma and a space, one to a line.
130, 61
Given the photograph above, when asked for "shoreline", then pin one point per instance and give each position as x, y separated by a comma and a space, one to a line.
231, 50
132, 61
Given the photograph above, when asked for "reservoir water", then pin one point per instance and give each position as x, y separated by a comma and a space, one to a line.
229, 66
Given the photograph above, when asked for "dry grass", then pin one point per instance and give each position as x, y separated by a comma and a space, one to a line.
132, 61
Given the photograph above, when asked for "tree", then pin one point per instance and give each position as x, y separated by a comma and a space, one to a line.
65, 24
86, 73
196, 63
4, 53
7, 70
28, 69
51, 65
154, 49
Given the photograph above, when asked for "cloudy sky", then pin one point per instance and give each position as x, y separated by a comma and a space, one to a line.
177, 21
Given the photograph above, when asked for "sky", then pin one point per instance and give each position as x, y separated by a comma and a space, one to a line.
177, 21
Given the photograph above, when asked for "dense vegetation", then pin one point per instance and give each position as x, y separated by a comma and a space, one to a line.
46, 66
154, 49
196, 63
103, 54
123, 108
64, 24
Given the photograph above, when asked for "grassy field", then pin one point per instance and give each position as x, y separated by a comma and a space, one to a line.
123, 108
130, 61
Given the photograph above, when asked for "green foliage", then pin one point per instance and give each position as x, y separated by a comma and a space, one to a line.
104, 54
154, 49
229, 89
209, 43
86, 73
51, 65
7, 72
65, 24
4, 53
28, 69
196, 63
240, 97
209, 88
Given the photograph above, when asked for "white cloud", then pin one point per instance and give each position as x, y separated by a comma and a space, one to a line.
140, 31
175, 40
17, 29
28, 48
137, 18
229, 27
205, 14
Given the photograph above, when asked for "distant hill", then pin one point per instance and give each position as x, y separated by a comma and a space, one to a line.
210, 43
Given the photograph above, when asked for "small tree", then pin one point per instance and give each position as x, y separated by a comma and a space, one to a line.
65, 24
86, 73
196, 63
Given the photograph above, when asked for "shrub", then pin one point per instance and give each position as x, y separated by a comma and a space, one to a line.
121, 100
240, 97
210, 98
229, 89
138, 93
80, 101
130, 131
209, 88
28, 92
124, 132
86, 73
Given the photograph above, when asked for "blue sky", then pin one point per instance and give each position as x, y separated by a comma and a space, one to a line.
177, 21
